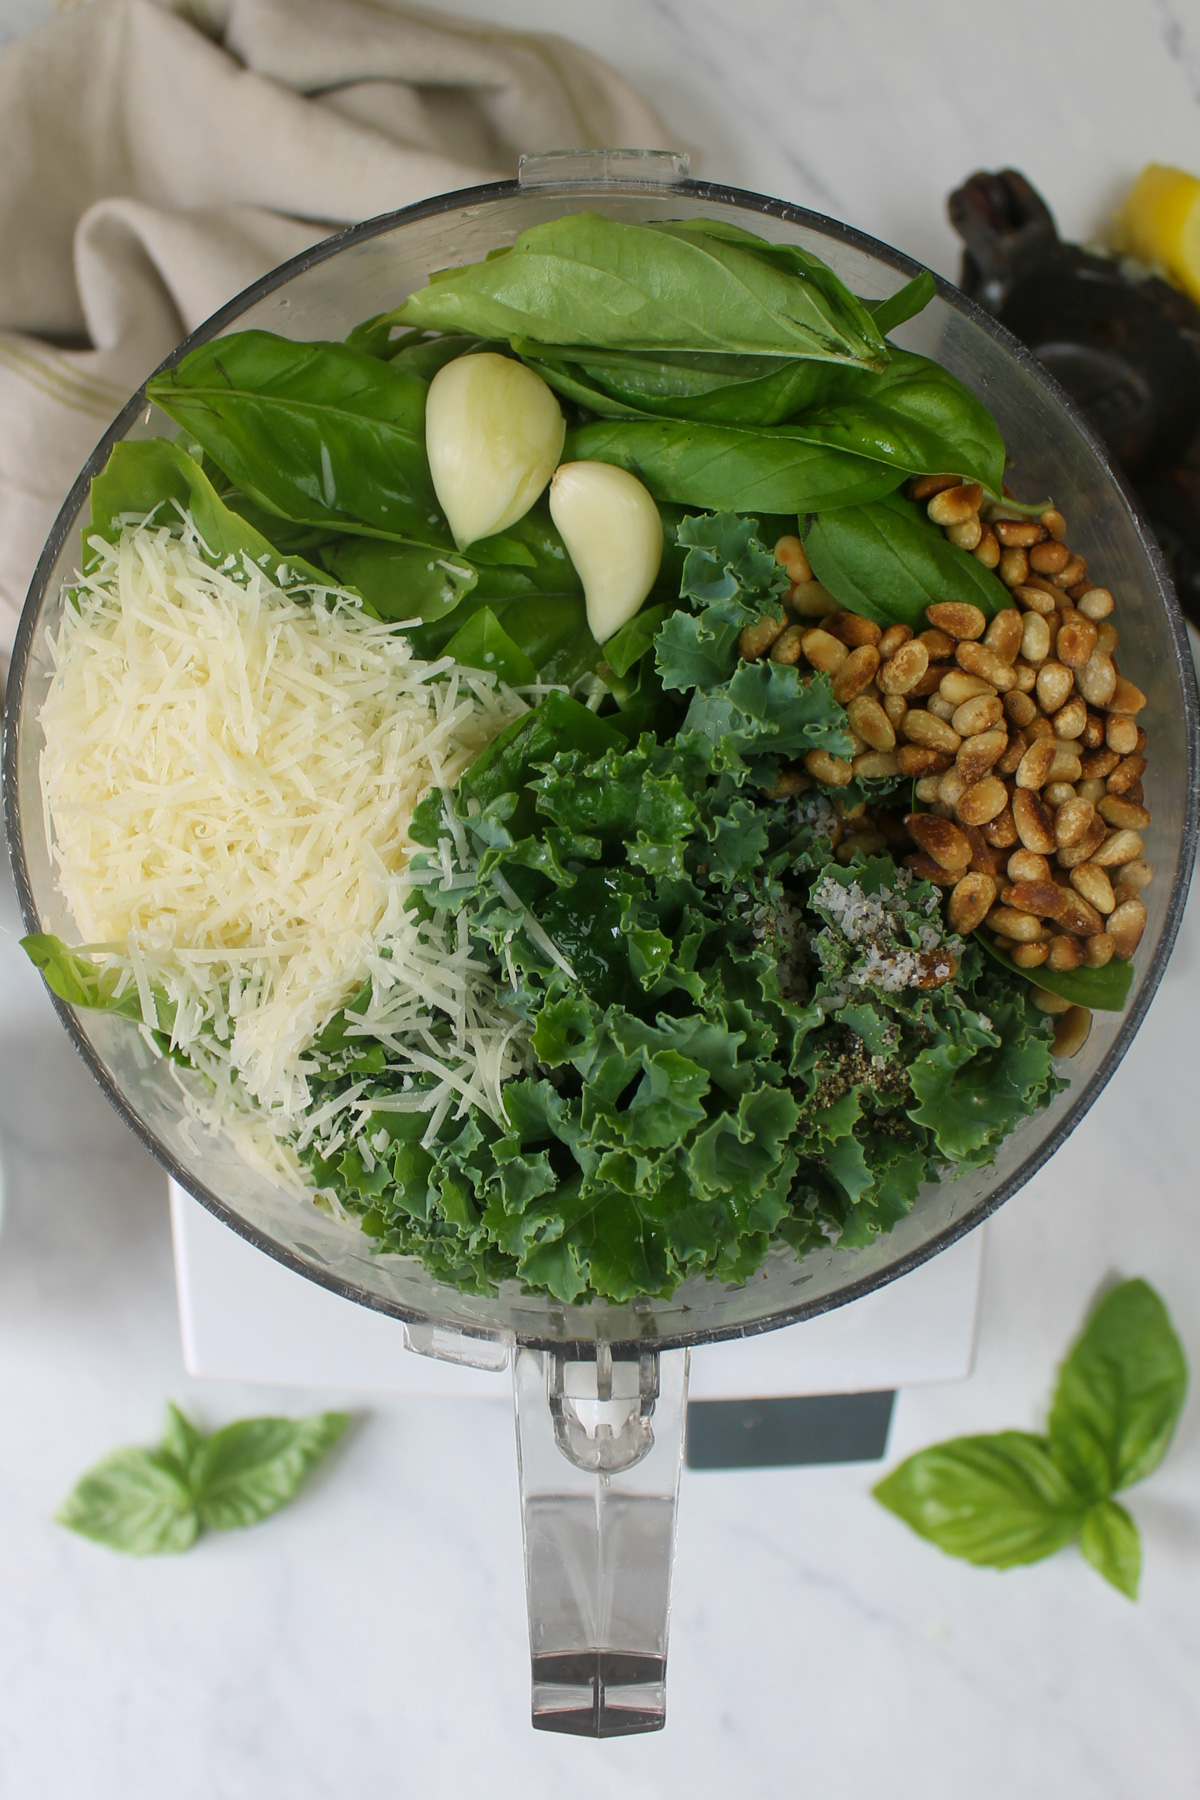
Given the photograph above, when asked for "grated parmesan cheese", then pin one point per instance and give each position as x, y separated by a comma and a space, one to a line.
229, 771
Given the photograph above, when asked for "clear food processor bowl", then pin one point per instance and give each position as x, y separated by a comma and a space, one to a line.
601, 1389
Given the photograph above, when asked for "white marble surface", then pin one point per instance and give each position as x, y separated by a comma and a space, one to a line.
371, 1640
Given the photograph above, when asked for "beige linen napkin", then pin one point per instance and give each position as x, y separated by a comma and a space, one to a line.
156, 158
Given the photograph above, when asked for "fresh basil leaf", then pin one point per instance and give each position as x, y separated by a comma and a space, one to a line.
904, 304
136, 1501
996, 1501
250, 1469
378, 337
887, 561
585, 279
628, 645
1112, 1544
401, 581
915, 416
732, 468
151, 475
483, 643
78, 980
1120, 1392
722, 390
1100, 990
181, 1440
318, 433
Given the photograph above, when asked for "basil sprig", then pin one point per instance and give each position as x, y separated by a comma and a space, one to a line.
149, 1502
1014, 1497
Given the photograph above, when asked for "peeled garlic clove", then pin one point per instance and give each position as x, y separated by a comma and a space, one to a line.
493, 433
614, 536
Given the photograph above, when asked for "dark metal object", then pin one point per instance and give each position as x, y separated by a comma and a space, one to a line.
778, 1434
1126, 348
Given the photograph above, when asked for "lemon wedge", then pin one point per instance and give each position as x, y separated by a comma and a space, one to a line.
1160, 223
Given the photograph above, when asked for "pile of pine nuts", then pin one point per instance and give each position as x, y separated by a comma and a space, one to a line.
1020, 734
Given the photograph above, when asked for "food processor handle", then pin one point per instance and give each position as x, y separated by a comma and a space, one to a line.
599, 1447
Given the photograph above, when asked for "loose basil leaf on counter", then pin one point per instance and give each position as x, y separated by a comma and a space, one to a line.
998, 1501
886, 560
1100, 990
904, 304
694, 285
153, 1502
483, 643
731, 468
1112, 1544
146, 475
1120, 1392
248, 1470
316, 433
136, 1501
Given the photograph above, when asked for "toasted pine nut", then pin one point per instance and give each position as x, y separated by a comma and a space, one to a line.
874, 765
951, 787
1120, 734
788, 783
1120, 846
938, 643
1090, 880
978, 754
1070, 719
925, 869
1057, 793
941, 709
987, 550
787, 646
1021, 927
1066, 765
1010, 762
1107, 638
856, 673
977, 659
1093, 731
893, 637
915, 759
983, 801
1070, 856
1072, 572
1136, 874
1027, 865
1047, 1002
941, 839
1125, 927
1098, 950
1071, 1032
953, 505
980, 713
1030, 956
1049, 558
790, 552
1076, 641
902, 671
1018, 533
822, 649
924, 487
1054, 683
895, 706
1054, 522
1039, 728
1034, 599
811, 600
1035, 638
1034, 827
1004, 633
832, 770
1098, 765
1072, 821
754, 640
1125, 814
1013, 567
967, 534
1026, 675
928, 789
1033, 771
970, 902
852, 629
1019, 708
1066, 952
1001, 832
872, 724
957, 618
1096, 604
1126, 698
1098, 679
1126, 773
957, 686
1091, 790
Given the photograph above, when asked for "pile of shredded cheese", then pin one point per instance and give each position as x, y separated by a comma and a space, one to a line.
229, 770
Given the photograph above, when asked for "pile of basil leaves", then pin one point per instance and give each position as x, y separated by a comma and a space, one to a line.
709, 1075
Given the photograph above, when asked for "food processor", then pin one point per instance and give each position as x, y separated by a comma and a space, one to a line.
601, 1388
